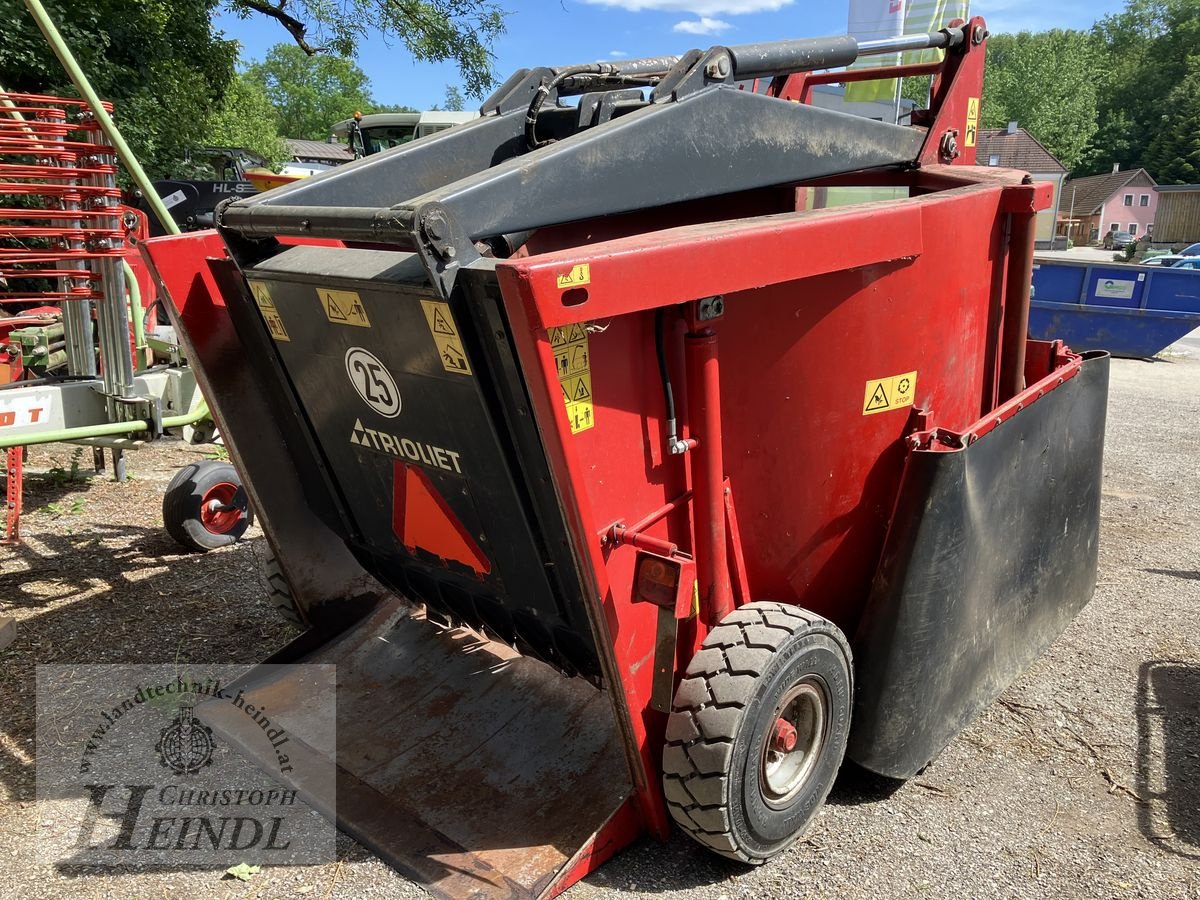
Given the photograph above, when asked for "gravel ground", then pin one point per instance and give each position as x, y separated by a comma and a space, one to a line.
1083, 781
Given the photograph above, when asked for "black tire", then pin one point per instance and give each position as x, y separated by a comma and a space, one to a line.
217, 486
279, 592
723, 724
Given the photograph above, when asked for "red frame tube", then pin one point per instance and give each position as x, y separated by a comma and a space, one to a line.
1016, 305
708, 475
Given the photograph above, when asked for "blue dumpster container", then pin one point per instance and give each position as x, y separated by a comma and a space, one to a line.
1128, 310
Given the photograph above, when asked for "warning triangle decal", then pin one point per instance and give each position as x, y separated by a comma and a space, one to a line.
422, 519
581, 392
334, 311
441, 326
879, 399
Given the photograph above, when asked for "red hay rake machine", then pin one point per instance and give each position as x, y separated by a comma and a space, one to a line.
76, 302
710, 480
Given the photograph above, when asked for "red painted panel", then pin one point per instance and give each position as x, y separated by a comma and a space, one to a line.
808, 323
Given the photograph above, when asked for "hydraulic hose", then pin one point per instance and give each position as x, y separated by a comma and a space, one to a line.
674, 444
591, 74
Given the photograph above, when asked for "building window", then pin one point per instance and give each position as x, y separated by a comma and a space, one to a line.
1144, 200
1133, 228
1129, 199
994, 159
1114, 227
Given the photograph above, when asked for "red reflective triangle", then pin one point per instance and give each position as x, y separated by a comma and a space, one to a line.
422, 518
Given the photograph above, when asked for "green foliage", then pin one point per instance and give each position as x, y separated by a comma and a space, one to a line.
159, 61
1149, 89
58, 477
917, 90
1046, 81
431, 30
246, 119
454, 101
75, 508
310, 93
1174, 151
243, 871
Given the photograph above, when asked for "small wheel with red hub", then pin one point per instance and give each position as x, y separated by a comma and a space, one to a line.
205, 506
758, 730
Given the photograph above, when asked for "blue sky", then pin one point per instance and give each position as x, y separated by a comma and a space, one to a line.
557, 32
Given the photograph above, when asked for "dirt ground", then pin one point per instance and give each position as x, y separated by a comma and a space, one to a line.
1084, 781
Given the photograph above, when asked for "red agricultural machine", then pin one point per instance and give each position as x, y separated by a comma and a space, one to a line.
710, 417
79, 358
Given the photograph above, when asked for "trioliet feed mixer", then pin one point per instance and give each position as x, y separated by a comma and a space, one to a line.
734, 485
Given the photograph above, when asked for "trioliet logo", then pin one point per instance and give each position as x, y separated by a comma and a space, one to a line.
404, 448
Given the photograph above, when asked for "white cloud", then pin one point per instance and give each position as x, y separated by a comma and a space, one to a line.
617, 54
700, 8
703, 25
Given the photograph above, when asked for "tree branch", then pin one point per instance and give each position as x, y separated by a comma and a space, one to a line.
294, 26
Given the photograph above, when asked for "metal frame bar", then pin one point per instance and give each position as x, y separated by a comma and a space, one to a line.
483, 182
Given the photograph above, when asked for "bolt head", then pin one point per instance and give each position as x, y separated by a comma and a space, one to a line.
718, 68
435, 227
784, 737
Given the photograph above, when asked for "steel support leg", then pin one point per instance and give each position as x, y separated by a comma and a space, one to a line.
14, 472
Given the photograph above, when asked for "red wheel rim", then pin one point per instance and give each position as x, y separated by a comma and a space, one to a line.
212, 514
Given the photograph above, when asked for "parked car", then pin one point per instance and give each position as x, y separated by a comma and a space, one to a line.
1192, 262
1193, 250
1164, 261
1118, 240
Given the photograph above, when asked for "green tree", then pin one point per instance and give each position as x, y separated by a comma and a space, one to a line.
1046, 81
159, 61
1147, 50
917, 90
310, 93
1173, 156
246, 119
454, 101
431, 30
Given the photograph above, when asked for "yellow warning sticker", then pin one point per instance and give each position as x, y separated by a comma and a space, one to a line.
896, 392
343, 308
577, 277
445, 337
266, 305
972, 121
573, 365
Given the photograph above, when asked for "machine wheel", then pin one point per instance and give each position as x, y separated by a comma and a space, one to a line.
279, 592
758, 729
205, 506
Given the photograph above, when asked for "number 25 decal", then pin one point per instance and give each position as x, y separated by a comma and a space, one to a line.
373, 382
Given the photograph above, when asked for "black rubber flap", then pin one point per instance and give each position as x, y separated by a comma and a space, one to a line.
992, 551
474, 771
